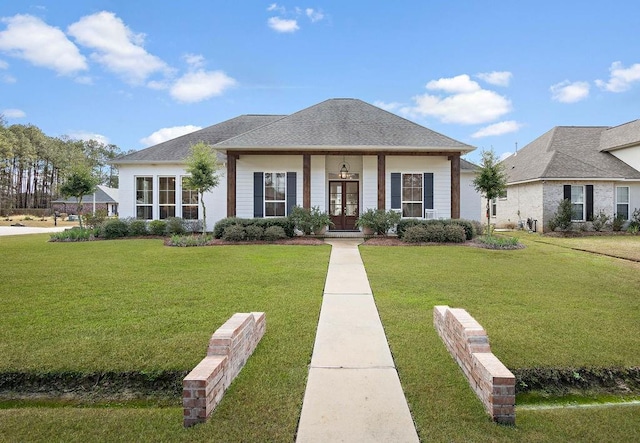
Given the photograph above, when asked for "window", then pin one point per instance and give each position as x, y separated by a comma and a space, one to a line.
412, 200
144, 198
190, 202
577, 203
494, 207
622, 201
167, 197
275, 187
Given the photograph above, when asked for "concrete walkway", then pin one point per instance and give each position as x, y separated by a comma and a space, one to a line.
353, 392
21, 230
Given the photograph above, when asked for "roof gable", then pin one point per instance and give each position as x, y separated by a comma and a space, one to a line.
621, 136
344, 123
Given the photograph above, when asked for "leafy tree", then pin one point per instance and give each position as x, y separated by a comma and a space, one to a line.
79, 183
490, 180
203, 166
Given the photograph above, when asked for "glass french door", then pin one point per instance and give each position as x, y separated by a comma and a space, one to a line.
344, 204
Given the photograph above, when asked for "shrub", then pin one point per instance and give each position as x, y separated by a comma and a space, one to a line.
73, 235
552, 224
633, 229
192, 225
189, 240
254, 232
273, 233
493, 242
435, 233
301, 219
157, 227
634, 224
221, 225
93, 220
478, 228
563, 215
600, 221
454, 233
378, 220
618, 222
469, 231
469, 228
234, 233
286, 224
175, 226
415, 234
138, 228
114, 228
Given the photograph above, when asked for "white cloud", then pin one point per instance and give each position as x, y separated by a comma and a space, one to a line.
467, 103
31, 39
158, 85
569, 92
194, 60
498, 78
497, 129
314, 15
283, 25
13, 113
116, 46
84, 80
4, 65
200, 85
620, 78
86, 136
164, 134
504, 155
276, 7
391, 106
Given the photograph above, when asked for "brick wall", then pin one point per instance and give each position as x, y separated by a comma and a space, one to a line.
468, 343
229, 348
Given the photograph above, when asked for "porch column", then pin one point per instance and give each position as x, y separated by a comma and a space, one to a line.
455, 185
306, 181
231, 184
381, 181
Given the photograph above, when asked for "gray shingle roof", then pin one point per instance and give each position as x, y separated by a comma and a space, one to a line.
103, 195
621, 136
177, 149
567, 152
339, 123
467, 165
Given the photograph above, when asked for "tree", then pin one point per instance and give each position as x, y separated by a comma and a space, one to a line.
490, 180
79, 183
203, 166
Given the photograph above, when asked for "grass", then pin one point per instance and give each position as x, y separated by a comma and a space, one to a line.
137, 305
541, 306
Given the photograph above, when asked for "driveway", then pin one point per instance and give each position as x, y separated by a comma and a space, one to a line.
20, 230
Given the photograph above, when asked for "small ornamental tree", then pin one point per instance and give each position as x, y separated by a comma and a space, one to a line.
79, 182
490, 180
203, 166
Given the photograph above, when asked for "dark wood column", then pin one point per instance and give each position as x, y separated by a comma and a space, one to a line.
306, 181
231, 184
381, 181
455, 185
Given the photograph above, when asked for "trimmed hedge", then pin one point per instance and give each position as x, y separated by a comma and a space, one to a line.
468, 226
434, 232
265, 223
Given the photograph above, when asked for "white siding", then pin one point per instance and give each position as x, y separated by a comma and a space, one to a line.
630, 156
369, 183
441, 168
246, 165
469, 197
319, 182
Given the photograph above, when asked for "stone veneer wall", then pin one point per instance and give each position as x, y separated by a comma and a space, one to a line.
229, 349
468, 343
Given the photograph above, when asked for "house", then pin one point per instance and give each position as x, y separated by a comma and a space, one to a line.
104, 198
597, 168
342, 155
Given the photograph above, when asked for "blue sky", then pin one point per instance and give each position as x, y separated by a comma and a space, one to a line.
487, 73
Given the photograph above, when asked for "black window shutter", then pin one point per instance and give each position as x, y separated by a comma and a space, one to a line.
428, 190
567, 192
589, 202
396, 190
291, 191
258, 194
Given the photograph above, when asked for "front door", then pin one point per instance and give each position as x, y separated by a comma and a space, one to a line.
344, 204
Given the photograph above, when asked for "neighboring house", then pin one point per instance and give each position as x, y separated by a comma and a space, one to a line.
597, 168
104, 198
342, 155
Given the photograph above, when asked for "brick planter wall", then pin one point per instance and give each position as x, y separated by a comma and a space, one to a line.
229, 349
468, 343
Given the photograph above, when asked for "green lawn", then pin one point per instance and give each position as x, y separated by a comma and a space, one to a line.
541, 306
136, 305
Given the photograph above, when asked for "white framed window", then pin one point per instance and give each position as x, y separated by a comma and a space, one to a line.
494, 207
190, 201
577, 203
622, 201
412, 195
167, 197
275, 194
144, 198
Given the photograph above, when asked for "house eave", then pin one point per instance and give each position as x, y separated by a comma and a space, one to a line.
573, 179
